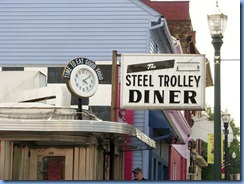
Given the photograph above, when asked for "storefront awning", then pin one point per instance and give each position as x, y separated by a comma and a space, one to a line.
157, 119
126, 136
203, 125
179, 124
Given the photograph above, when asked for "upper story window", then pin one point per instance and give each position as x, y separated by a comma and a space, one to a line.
12, 68
175, 171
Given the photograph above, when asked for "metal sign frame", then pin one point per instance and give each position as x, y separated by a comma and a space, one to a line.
163, 81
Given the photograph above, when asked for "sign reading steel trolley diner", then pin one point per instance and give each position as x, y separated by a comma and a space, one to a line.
163, 81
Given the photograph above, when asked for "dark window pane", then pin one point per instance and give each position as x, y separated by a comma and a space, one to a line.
54, 75
102, 112
107, 73
12, 68
74, 100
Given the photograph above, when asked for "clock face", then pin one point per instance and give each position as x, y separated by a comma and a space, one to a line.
83, 81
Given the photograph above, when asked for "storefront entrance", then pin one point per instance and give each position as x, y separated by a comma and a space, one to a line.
51, 164
45, 162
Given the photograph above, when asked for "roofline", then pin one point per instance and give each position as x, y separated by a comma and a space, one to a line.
148, 9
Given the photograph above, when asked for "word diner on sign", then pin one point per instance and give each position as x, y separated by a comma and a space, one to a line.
162, 81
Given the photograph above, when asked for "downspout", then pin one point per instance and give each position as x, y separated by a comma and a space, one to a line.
161, 24
169, 36
187, 152
157, 26
149, 33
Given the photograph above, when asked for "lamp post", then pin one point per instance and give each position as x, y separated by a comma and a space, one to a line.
226, 120
217, 23
234, 158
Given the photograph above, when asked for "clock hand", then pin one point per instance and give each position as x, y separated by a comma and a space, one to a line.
84, 80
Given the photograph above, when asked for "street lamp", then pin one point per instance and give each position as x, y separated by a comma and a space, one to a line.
226, 120
234, 158
217, 22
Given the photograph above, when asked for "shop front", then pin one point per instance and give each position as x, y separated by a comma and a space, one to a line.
37, 145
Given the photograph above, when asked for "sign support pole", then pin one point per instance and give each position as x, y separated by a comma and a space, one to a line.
79, 108
114, 86
113, 116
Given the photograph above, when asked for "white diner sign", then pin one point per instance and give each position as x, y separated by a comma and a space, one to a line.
163, 81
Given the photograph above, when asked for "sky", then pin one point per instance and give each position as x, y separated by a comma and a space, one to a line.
230, 51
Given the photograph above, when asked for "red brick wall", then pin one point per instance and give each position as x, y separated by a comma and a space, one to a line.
178, 19
180, 165
128, 165
128, 156
171, 10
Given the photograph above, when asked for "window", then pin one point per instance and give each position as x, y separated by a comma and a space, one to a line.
12, 68
175, 171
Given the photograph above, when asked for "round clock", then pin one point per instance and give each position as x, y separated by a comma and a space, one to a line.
83, 81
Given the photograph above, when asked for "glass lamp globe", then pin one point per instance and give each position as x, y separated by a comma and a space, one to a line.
217, 22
